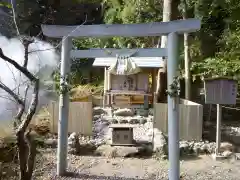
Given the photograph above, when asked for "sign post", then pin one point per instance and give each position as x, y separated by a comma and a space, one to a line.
220, 91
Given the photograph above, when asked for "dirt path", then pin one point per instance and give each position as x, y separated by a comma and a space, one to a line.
86, 167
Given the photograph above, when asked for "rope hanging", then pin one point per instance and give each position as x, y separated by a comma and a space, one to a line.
124, 65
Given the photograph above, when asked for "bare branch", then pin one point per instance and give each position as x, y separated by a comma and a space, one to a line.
11, 93
85, 21
26, 43
18, 100
7, 98
14, 18
29, 75
11, 71
33, 79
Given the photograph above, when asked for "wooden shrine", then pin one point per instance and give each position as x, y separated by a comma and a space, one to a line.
134, 89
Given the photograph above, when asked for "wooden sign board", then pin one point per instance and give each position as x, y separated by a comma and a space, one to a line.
220, 91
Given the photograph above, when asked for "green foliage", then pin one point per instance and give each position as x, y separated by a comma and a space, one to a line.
132, 11
214, 50
227, 60
174, 88
216, 67
5, 4
230, 44
87, 1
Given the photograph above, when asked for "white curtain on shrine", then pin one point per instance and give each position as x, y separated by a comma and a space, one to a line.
124, 66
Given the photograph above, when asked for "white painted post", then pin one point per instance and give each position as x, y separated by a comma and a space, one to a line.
173, 109
218, 132
63, 108
187, 68
109, 87
105, 86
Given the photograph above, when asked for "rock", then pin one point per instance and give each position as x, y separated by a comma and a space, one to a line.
106, 118
106, 123
116, 151
133, 121
72, 136
143, 120
87, 145
160, 144
114, 121
127, 151
123, 121
204, 148
146, 149
86, 149
73, 143
96, 117
149, 133
98, 111
106, 150
72, 151
227, 154
196, 150
151, 111
124, 112
143, 112
185, 148
225, 146
237, 156
51, 143
150, 119
212, 147
97, 142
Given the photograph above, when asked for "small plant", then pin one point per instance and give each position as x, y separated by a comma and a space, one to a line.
174, 88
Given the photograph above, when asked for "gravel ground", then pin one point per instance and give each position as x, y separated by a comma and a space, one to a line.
93, 168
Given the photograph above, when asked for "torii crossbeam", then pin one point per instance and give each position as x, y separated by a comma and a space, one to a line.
172, 29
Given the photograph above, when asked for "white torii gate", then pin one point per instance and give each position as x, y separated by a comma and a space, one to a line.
172, 29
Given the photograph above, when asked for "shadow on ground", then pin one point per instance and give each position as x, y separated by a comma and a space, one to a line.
95, 177
190, 157
226, 135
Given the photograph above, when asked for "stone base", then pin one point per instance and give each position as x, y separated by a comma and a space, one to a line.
237, 156
218, 157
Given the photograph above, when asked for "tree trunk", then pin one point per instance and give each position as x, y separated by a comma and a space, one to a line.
162, 72
186, 57
26, 153
170, 12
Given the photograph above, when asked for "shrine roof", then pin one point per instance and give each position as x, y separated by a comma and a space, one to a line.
144, 62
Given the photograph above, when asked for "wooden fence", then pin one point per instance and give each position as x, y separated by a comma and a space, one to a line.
80, 117
190, 119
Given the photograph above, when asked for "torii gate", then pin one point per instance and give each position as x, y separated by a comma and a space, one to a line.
172, 29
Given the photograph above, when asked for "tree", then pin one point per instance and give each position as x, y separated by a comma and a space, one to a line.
31, 14
219, 55
132, 11
170, 12
25, 142
186, 54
